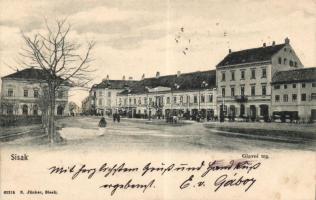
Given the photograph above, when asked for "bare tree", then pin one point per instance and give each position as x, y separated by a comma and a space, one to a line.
61, 61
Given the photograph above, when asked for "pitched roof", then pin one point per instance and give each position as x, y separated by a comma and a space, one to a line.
186, 81
32, 74
250, 55
115, 84
295, 76
29, 73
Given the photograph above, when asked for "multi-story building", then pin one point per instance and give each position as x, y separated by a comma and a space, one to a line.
186, 94
294, 94
102, 96
22, 94
244, 79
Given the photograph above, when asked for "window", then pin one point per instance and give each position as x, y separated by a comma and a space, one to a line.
295, 64
264, 73
294, 86
109, 94
145, 100
125, 101
303, 85
100, 102
294, 97
25, 93
210, 98
168, 100
233, 75
253, 90
35, 110
242, 74
242, 90
285, 98
60, 94
35, 93
223, 92
130, 101
303, 97
291, 63
135, 101
232, 91
284, 61
264, 90
313, 84
202, 98
100, 93
195, 99
10, 92
277, 98
223, 76
174, 99
10, 109
181, 99
253, 73
188, 99
313, 96
139, 101
280, 60
25, 109
276, 87
285, 86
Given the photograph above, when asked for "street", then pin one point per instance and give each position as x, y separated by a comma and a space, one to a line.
82, 133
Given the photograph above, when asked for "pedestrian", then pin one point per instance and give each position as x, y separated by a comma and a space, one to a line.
118, 117
102, 122
114, 117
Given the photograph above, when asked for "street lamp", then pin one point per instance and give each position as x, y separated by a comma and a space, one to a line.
176, 86
203, 85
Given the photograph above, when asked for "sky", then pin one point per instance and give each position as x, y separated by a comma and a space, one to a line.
135, 37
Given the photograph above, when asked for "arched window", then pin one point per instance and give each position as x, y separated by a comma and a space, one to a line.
35, 110
25, 109
60, 110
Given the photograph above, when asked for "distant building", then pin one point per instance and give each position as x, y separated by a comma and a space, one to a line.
244, 79
102, 96
294, 93
22, 94
188, 95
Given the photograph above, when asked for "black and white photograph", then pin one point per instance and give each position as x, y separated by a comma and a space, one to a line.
146, 99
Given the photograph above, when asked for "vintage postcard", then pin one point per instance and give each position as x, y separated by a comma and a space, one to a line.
157, 99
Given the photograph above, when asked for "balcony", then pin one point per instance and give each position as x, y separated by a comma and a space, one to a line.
241, 98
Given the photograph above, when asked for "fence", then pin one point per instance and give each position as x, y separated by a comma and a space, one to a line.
18, 120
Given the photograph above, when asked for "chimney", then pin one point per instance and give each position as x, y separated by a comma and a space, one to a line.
178, 73
123, 78
273, 43
264, 44
229, 51
107, 77
143, 76
130, 78
157, 74
287, 40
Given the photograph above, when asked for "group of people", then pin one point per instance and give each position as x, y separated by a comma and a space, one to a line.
116, 117
103, 123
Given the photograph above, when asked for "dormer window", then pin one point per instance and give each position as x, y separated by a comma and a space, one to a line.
10, 92
284, 61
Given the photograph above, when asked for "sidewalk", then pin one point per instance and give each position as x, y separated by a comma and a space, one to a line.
268, 131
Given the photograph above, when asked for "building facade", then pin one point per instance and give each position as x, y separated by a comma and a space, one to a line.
294, 94
189, 95
22, 94
244, 79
